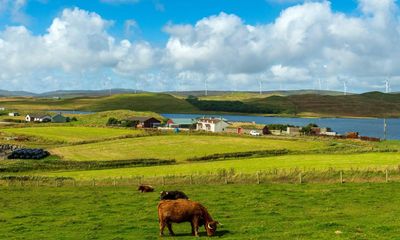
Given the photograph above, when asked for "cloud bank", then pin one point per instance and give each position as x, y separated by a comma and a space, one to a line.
308, 46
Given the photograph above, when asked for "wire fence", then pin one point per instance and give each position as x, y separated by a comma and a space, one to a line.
223, 177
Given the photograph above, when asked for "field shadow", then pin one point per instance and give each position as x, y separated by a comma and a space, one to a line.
201, 234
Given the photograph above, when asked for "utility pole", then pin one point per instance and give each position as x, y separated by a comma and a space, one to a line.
384, 129
205, 87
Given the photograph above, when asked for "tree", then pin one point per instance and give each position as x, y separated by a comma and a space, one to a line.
266, 130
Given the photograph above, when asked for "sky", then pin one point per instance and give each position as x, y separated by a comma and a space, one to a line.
181, 45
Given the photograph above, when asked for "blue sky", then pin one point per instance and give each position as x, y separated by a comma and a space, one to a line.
152, 15
159, 45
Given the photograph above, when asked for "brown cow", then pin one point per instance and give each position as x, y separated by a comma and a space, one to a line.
182, 210
145, 188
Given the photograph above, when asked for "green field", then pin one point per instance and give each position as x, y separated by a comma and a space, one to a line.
70, 134
319, 162
179, 147
317, 211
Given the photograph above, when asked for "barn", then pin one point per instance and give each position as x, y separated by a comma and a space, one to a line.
145, 122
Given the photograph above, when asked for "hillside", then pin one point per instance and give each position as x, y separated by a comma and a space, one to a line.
373, 104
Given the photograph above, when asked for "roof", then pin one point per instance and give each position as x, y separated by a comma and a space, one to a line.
141, 119
183, 121
211, 120
59, 115
38, 115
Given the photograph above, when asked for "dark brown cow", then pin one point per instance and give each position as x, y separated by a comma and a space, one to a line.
182, 210
145, 188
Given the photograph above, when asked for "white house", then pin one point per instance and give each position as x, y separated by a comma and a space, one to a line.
211, 125
38, 118
2, 108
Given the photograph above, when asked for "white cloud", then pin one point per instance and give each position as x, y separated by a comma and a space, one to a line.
305, 43
77, 41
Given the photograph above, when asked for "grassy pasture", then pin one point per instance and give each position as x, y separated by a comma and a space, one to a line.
70, 134
316, 211
319, 162
178, 147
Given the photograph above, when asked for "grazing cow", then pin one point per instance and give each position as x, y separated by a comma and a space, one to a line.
182, 210
145, 188
172, 195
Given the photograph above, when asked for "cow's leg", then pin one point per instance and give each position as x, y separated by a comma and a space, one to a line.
196, 226
162, 226
191, 223
169, 225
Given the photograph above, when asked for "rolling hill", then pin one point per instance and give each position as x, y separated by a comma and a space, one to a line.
372, 104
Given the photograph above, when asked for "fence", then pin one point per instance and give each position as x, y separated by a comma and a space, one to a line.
223, 177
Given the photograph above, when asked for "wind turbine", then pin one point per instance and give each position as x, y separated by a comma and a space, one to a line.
387, 86
260, 85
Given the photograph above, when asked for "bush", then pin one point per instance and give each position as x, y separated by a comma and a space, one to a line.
112, 121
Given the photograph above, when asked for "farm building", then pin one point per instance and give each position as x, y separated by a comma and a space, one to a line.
59, 118
293, 131
145, 122
181, 123
212, 124
13, 114
2, 108
38, 118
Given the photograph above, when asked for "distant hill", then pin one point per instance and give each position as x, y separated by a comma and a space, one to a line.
67, 93
372, 104
226, 94
5, 93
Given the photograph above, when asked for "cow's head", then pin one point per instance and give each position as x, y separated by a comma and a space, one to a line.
211, 227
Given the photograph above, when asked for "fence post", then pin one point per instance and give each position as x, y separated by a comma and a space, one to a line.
387, 175
258, 177
37, 182
300, 178
114, 182
93, 182
341, 176
226, 178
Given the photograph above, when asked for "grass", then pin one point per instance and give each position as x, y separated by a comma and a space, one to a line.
318, 162
70, 134
317, 211
178, 147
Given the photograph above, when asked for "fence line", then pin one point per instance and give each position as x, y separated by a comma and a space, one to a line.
269, 177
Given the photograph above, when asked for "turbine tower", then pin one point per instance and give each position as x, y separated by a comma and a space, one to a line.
387, 86
344, 87
260, 85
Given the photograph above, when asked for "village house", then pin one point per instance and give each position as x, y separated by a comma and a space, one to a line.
181, 123
211, 125
38, 118
145, 122
2, 108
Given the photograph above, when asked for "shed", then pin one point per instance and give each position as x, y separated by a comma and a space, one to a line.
13, 114
145, 122
59, 118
